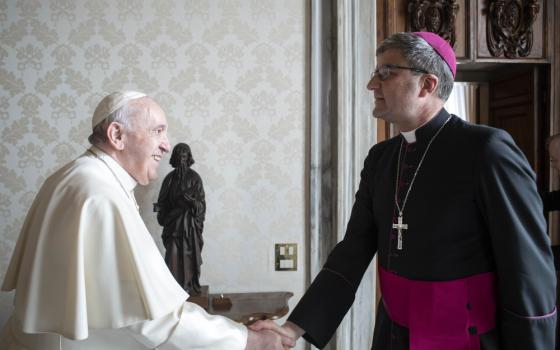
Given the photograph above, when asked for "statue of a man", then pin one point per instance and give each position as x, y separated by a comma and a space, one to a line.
181, 208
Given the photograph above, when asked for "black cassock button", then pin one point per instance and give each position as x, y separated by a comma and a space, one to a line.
472, 330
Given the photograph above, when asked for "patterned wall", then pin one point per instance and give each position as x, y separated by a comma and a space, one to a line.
229, 73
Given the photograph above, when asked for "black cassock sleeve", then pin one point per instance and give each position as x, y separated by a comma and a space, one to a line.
327, 300
510, 204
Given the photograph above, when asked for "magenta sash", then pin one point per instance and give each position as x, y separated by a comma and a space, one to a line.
448, 315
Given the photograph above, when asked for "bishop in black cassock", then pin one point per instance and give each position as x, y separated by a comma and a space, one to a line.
452, 212
474, 208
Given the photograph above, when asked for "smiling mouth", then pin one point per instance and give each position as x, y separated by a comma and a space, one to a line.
157, 158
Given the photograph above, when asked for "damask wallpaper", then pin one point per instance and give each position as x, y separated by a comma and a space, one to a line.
230, 75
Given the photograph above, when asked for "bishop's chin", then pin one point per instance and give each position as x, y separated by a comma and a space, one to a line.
377, 114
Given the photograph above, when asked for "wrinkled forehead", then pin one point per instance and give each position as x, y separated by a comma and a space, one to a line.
146, 112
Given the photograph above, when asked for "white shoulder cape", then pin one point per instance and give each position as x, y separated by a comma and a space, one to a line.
85, 259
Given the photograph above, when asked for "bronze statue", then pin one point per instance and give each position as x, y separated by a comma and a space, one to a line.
181, 208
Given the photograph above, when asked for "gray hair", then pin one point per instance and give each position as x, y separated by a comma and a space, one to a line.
419, 54
122, 116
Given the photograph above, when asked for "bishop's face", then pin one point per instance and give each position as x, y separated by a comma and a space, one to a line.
395, 90
146, 143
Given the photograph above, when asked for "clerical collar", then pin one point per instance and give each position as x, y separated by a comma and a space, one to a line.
409, 136
426, 130
122, 175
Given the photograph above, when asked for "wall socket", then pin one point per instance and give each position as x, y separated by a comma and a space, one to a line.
285, 256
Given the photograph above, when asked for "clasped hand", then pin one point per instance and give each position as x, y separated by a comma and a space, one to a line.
188, 197
267, 335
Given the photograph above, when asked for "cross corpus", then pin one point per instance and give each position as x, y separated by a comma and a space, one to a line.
400, 227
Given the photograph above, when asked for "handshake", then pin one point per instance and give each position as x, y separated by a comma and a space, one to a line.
267, 335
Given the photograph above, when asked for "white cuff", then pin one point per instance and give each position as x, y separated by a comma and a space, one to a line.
198, 330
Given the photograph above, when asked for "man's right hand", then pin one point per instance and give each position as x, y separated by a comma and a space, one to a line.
289, 332
264, 340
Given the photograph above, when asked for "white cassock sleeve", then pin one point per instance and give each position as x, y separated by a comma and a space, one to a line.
86, 263
190, 327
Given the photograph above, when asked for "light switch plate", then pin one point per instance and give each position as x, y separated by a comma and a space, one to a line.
285, 256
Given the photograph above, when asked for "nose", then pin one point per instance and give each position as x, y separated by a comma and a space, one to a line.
165, 145
373, 83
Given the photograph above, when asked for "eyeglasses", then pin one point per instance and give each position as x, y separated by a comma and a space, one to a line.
384, 71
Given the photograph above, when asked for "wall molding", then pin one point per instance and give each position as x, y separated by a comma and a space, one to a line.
342, 131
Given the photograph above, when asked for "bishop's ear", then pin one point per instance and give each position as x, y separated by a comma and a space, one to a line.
115, 135
429, 84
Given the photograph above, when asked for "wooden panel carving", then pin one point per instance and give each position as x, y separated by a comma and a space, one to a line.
509, 27
437, 16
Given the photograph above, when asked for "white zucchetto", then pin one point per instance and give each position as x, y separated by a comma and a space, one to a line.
111, 103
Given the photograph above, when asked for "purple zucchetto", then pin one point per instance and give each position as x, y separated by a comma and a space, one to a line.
442, 47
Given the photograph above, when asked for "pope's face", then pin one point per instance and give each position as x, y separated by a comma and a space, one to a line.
145, 142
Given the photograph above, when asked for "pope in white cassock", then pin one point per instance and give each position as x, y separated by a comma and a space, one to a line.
86, 271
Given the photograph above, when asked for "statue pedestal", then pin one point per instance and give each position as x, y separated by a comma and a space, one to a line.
245, 308
248, 308
201, 299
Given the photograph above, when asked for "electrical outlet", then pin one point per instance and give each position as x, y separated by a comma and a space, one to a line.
285, 256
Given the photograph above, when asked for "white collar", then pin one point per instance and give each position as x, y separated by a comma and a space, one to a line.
122, 175
409, 136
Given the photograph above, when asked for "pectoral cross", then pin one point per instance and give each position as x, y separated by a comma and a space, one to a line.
400, 227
